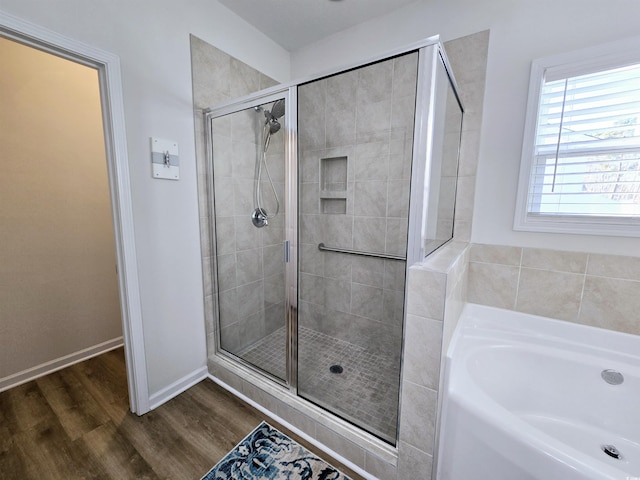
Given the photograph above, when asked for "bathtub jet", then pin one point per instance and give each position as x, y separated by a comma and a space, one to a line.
612, 377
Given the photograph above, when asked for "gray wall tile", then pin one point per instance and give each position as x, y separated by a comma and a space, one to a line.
368, 234
417, 423
426, 293
312, 288
337, 294
422, 349
337, 443
405, 73
250, 298
413, 463
375, 82
368, 271
249, 266
366, 301
378, 467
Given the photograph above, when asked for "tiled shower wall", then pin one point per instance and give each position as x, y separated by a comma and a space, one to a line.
249, 260
468, 58
449, 143
355, 140
218, 77
591, 289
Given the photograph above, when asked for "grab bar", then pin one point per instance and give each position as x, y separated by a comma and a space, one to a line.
324, 248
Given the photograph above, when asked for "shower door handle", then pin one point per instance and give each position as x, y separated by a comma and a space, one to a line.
286, 251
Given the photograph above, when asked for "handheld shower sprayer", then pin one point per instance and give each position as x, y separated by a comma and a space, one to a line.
259, 216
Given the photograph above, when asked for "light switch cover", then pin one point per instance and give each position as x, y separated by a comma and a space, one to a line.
165, 159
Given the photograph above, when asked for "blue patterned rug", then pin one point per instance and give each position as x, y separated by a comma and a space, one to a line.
267, 454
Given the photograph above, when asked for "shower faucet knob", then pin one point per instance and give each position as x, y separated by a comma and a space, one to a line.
259, 218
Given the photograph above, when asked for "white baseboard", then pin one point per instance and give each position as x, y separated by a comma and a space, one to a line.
177, 387
295, 430
58, 364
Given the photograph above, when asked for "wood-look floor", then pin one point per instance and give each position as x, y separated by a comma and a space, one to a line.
76, 424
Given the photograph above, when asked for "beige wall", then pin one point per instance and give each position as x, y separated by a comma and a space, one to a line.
58, 284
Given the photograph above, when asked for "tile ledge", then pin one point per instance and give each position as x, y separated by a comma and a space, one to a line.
445, 258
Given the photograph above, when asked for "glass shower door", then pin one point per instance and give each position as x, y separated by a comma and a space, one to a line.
355, 132
311, 187
249, 171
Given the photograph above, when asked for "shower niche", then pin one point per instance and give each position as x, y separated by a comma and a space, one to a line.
333, 185
322, 194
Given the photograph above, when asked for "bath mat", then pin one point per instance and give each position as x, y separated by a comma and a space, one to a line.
268, 454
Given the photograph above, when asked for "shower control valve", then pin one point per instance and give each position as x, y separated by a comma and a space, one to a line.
259, 218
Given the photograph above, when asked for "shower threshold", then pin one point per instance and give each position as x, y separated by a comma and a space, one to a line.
365, 393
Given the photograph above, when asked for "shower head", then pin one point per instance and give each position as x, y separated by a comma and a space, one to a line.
271, 123
277, 110
274, 125
274, 114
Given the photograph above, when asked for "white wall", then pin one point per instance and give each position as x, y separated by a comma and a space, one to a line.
152, 39
520, 32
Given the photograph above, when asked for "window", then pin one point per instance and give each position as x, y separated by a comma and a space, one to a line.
580, 170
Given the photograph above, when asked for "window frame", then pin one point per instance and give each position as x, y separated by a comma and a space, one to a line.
602, 57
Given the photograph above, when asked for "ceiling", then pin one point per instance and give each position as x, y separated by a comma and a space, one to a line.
296, 23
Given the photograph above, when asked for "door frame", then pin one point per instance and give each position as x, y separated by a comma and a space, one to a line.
108, 66
290, 214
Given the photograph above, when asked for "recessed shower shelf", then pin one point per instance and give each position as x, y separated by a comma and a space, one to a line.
333, 194
333, 205
333, 185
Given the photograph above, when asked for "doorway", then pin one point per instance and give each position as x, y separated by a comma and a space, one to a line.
58, 257
106, 71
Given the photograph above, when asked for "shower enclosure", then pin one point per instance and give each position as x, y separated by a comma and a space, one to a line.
323, 192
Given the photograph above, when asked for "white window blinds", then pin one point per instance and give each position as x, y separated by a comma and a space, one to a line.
586, 159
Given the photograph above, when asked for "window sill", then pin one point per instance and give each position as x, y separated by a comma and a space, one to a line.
578, 225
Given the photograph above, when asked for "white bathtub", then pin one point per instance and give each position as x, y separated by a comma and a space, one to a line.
524, 399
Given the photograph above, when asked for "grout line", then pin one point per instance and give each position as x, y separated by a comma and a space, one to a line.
584, 281
537, 268
515, 301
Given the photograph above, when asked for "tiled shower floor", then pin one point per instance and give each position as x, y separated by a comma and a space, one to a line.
365, 393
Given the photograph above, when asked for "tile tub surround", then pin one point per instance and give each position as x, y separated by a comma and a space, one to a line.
436, 295
592, 289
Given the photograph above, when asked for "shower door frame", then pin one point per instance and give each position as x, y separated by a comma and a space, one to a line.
290, 256
430, 51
